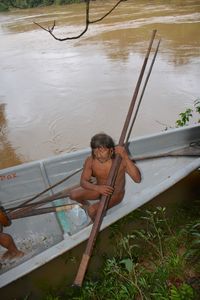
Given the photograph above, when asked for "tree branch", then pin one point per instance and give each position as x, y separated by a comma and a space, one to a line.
108, 13
87, 22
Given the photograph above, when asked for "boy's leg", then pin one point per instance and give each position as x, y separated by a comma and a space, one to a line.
82, 195
115, 199
7, 242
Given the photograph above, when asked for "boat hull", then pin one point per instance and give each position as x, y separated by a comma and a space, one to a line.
44, 237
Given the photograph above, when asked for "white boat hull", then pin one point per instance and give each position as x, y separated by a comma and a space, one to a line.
45, 237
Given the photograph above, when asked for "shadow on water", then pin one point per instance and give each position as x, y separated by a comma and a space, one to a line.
61, 271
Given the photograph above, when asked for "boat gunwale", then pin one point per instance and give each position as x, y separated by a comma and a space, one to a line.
84, 151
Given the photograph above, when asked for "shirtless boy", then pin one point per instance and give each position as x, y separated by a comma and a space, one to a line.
98, 165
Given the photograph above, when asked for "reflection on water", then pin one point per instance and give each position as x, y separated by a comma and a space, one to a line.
7, 152
58, 94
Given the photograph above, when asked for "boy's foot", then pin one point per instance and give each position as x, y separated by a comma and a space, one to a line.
90, 211
12, 254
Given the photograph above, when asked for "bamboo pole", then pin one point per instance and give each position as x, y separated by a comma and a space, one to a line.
29, 207
185, 151
44, 191
111, 179
40, 211
142, 93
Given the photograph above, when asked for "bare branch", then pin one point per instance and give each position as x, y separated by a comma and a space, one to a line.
54, 24
87, 22
68, 38
108, 13
42, 26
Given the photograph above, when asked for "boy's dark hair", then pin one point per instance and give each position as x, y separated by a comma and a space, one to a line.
102, 140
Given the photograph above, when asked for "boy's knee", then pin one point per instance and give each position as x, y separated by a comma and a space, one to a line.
115, 201
73, 195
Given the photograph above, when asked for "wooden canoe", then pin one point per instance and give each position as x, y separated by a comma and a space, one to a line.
163, 158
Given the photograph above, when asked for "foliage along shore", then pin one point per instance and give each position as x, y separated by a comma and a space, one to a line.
159, 259
23, 4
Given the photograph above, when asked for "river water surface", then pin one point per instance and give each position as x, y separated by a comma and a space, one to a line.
55, 95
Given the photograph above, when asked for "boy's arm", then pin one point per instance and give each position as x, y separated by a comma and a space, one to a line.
85, 180
130, 167
86, 175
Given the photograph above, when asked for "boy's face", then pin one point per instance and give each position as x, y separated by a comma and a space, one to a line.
102, 153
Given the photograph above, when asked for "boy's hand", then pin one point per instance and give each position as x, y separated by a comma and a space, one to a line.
105, 190
121, 151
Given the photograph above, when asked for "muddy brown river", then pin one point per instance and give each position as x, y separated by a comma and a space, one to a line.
55, 95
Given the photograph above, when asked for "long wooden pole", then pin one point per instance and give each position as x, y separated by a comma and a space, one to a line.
6, 218
29, 207
142, 93
111, 180
39, 211
44, 191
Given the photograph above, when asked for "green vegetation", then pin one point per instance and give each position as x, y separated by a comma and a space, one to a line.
186, 116
6, 4
3, 7
159, 260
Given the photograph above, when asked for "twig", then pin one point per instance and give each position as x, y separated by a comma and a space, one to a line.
108, 13
87, 23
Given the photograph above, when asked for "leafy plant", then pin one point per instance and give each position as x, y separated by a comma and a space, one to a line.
184, 292
152, 262
193, 252
186, 116
197, 105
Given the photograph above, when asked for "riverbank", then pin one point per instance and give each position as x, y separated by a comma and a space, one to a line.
158, 260
21, 4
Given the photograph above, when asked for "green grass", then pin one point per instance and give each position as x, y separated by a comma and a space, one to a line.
159, 260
